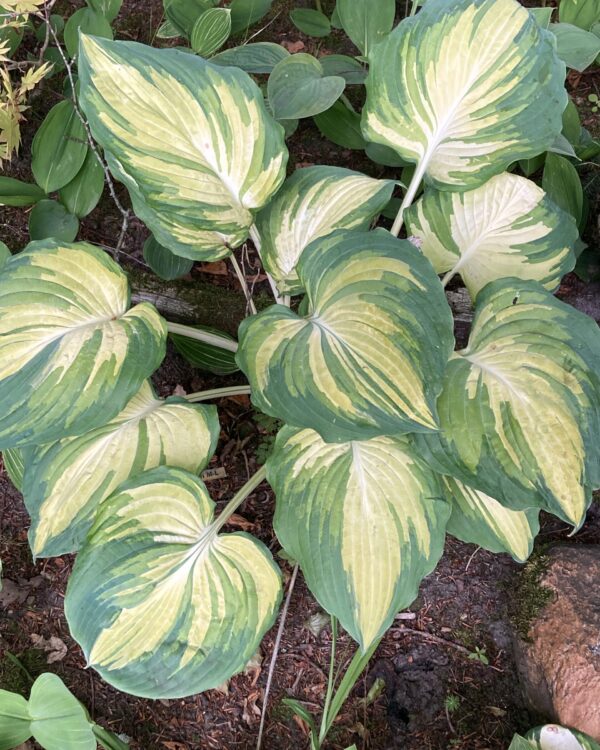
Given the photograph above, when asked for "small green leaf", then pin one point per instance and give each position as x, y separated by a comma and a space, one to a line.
571, 123
18, 194
299, 709
81, 196
384, 155
205, 356
341, 126
311, 22
563, 185
85, 21
542, 16
59, 148
211, 31
298, 88
183, 14
165, 263
366, 22
14, 720
259, 57
245, 13
14, 465
50, 220
168, 30
576, 47
342, 65
554, 737
520, 743
58, 720
57, 24
108, 8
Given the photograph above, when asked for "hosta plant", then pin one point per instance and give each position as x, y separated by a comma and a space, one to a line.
392, 437
553, 737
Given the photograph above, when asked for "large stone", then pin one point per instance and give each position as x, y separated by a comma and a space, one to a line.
560, 666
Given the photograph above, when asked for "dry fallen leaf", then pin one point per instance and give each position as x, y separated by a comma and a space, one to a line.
54, 647
293, 47
218, 268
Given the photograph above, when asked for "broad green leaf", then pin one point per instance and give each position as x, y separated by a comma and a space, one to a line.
5, 254
163, 262
554, 737
81, 196
582, 13
59, 148
154, 548
571, 123
342, 65
479, 519
366, 22
183, 14
259, 57
206, 356
12, 458
211, 31
384, 155
298, 88
506, 227
16, 193
542, 16
108, 8
197, 171
563, 186
361, 363
58, 720
311, 22
465, 123
14, 720
520, 408
341, 126
71, 353
65, 481
312, 203
49, 219
85, 21
245, 13
576, 47
366, 520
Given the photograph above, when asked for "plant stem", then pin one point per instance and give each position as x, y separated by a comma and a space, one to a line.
278, 638
410, 195
234, 390
256, 241
414, 6
354, 671
108, 740
208, 338
331, 678
318, 6
238, 499
17, 662
242, 280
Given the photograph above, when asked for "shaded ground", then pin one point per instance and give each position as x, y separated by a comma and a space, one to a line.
435, 696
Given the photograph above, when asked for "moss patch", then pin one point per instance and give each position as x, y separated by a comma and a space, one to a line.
529, 596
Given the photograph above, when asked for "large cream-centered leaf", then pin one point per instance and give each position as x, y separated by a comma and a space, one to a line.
312, 203
365, 520
368, 357
193, 142
71, 352
65, 481
520, 408
465, 88
161, 604
479, 519
506, 227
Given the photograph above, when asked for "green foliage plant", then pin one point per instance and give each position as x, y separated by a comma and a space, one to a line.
391, 438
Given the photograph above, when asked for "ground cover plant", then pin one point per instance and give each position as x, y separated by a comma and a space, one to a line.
391, 438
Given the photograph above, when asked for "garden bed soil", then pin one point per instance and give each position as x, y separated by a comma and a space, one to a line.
428, 687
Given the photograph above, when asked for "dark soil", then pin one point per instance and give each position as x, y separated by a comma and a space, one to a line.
435, 694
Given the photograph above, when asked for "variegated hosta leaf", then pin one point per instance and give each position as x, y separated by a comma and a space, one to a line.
479, 519
161, 604
65, 481
368, 358
365, 520
520, 408
193, 142
506, 227
312, 203
71, 353
554, 737
465, 121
